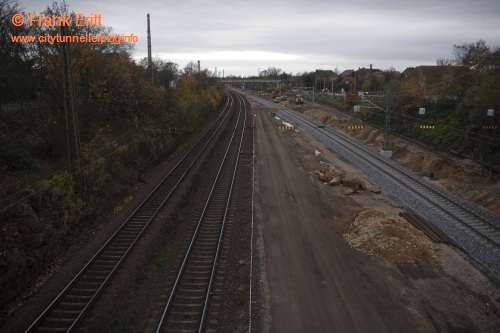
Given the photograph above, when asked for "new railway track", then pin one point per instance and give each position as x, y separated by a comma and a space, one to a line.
66, 311
476, 230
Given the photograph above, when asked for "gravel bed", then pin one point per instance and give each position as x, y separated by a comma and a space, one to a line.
481, 250
135, 300
233, 297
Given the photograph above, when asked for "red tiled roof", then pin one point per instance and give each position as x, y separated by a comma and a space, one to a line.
348, 80
347, 72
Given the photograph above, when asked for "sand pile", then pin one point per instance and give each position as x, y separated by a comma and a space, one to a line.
377, 233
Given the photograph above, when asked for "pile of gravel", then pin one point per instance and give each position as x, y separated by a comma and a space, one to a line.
481, 250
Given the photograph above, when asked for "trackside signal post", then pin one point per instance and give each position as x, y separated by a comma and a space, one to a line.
385, 152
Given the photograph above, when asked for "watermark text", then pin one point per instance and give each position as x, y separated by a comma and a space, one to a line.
87, 38
63, 20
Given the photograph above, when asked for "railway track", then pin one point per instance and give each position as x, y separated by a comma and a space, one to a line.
70, 306
428, 228
188, 303
474, 229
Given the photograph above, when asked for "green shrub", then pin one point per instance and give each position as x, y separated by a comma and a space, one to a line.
16, 158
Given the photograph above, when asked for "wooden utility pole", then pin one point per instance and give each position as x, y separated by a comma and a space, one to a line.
71, 116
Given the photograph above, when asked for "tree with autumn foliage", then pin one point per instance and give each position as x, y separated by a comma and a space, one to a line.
477, 84
127, 124
477, 80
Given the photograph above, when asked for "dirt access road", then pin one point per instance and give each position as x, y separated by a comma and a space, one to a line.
316, 282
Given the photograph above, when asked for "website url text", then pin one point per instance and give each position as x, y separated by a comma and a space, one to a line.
87, 38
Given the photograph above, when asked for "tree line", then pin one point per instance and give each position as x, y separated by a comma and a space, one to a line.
81, 124
461, 98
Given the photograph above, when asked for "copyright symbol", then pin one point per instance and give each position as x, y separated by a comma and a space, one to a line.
18, 20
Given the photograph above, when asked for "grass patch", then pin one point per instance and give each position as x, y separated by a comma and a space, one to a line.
334, 102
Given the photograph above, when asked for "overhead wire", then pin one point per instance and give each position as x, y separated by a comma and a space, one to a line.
458, 132
457, 129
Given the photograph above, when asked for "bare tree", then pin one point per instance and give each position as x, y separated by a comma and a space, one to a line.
444, 62
274, 72
473, 55
191, 68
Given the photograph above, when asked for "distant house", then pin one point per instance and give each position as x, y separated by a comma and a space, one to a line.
348, 81
325, 79
394, 75
429, 77
429, 74
346, 73
327, 75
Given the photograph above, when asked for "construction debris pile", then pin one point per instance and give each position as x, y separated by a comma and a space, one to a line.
352, 183
380, 234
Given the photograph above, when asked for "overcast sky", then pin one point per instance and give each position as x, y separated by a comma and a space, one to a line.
241, 37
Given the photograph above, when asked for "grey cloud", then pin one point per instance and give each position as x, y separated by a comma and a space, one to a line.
343, 34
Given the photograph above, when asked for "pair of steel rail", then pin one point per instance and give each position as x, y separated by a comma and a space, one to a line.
67, 310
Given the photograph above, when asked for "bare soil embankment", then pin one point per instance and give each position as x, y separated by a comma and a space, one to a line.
466, 178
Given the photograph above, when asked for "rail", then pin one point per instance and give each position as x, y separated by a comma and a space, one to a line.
211, 223
68, 308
